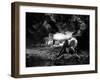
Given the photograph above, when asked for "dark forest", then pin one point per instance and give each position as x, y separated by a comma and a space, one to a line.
42, 27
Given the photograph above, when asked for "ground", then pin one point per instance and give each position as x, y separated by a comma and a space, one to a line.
47, 56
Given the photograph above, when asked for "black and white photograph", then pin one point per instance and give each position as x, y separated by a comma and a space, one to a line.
52, 39
57, 39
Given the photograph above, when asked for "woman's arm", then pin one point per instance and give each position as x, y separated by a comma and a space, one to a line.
77, 34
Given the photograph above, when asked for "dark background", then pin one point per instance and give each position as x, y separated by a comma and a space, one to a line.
36, 30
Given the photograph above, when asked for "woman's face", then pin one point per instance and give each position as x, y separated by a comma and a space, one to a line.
82, 26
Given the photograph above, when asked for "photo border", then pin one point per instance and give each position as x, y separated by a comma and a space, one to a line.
15, 69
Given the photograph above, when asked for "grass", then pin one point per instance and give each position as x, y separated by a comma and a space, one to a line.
47, 56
